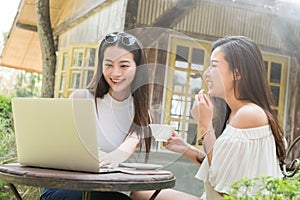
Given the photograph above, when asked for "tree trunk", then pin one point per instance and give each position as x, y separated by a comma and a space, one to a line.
47, 46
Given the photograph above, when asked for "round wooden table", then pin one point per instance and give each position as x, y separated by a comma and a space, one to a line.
83, 181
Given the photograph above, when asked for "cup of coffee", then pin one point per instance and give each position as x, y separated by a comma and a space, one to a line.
162, 132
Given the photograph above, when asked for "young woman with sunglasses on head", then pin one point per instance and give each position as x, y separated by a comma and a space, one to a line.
120, 91
252, 142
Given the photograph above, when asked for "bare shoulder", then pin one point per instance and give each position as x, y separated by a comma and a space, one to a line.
79, 93
250, 116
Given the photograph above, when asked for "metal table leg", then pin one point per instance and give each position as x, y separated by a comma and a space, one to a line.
15, 191
154, 195
86, 195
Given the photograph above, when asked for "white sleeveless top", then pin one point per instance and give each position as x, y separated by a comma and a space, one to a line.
114, 120
239, 153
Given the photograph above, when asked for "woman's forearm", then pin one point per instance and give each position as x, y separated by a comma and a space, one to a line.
209, 140
194, 154
122, 153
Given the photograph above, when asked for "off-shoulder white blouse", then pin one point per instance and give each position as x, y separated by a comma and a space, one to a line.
239, 153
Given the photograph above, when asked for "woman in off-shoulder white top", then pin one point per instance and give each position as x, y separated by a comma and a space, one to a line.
250, 153
251, 142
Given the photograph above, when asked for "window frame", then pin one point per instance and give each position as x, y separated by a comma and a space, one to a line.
72, 69
284, 61
174, 42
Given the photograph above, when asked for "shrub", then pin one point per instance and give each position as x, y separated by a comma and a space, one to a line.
7, 139
8, 150
269, 188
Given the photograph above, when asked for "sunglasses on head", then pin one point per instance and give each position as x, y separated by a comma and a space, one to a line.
126, 40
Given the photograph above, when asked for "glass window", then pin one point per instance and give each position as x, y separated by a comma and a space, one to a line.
185, 81
198, 59
91, 56
266, 66
75, 80
177, 106
275, 72
77, 58
192, 133
62, 83
87, 77
276, 92
77, 66
179, 81
189, 105
182, 55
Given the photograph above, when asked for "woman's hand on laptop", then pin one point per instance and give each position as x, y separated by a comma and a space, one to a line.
119, 155
105, 161
103, 164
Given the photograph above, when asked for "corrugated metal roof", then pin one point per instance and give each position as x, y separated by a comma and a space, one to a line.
22, 50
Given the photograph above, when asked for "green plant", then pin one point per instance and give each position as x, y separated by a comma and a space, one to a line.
7, 141
28, 85
8, 150
267, 188
5, 107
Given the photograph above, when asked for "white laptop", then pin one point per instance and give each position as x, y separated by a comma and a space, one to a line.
56, 133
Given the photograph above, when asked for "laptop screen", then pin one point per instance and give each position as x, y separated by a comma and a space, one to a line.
56, 133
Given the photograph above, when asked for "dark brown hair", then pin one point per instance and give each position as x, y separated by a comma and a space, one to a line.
244, 56
139, 87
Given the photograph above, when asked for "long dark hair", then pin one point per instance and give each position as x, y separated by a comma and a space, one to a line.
139, 87
244, 56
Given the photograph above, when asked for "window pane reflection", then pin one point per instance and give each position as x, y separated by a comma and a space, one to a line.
189, 105
192, 134
276, 92
77, 58
91, 57
87, 77
198, 59
275, 72
62, 83
177, 106
266, 65
179, 81
75, 80
182, 55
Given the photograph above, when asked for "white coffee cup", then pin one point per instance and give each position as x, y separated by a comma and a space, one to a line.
162, 132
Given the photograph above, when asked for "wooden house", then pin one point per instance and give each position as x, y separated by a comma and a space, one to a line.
177, 35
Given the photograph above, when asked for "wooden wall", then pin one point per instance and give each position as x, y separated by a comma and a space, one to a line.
217, 20
105, 18
209, 20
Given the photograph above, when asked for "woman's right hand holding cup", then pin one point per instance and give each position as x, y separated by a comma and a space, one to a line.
176, 144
